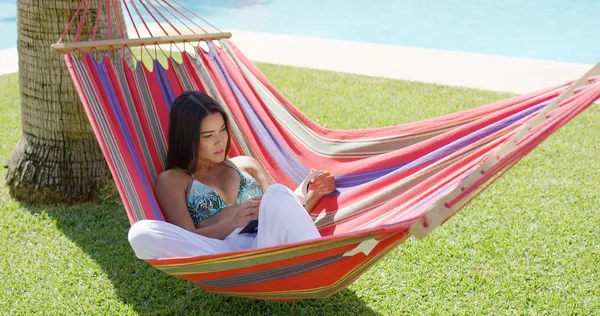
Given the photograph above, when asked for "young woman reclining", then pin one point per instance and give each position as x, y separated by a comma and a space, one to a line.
207, 199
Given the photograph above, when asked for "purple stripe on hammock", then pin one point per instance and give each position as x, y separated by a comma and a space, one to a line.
165, 86
111, 94
436, 131
404, 216
135, 117
150, 112
346, 183
288, 162
106, 131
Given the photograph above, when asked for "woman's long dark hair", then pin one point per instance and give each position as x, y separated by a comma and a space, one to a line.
187, 112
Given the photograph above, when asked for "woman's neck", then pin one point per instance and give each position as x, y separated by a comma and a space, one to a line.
204, 166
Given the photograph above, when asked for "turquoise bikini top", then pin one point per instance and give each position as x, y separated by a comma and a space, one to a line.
204, 202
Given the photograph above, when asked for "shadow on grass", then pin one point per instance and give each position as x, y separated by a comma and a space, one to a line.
101, 231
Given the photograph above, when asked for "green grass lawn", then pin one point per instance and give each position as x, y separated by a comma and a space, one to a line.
530, 244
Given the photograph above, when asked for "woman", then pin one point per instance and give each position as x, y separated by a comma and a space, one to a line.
206, 199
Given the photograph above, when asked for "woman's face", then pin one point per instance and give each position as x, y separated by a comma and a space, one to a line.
213, 138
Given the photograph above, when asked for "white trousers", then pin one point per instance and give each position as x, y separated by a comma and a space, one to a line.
281, 220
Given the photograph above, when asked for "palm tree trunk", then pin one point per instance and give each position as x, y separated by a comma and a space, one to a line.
57, 158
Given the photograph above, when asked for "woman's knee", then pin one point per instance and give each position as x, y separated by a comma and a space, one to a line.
278, 201
142, 232
277, 190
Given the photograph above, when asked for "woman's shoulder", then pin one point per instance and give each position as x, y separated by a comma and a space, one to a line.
245, 163
172, 177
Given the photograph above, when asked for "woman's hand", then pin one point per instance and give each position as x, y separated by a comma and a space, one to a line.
318, 187
323, 184
245, 212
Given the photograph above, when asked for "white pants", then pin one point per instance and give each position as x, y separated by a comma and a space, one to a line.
281, 220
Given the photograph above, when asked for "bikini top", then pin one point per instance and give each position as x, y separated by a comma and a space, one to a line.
204, 202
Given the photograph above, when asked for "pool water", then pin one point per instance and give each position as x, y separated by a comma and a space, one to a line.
542, 29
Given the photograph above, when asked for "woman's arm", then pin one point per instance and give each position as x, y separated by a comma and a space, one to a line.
320, 186
228, 219
255, 169
171, 193
219, 225
312, 199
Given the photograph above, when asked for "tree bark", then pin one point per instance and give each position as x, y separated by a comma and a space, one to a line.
57, 158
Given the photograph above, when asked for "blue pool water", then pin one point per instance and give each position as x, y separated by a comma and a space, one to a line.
543, 29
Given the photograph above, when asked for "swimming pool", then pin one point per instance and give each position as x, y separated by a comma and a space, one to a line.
542, 29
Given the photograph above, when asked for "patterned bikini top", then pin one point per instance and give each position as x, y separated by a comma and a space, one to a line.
204, 202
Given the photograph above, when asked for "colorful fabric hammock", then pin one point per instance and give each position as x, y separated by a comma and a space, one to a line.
393, 182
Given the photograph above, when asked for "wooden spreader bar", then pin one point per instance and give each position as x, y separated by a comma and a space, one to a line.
135, 42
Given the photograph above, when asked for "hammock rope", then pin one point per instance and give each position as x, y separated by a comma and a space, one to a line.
393, 182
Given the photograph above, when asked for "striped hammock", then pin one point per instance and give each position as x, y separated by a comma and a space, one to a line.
393, 182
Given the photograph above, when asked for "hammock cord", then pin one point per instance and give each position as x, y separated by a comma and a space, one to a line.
109, 15
118, 17
175, 16
147, 28
167, 16
131, 18
154, 18
162, 16
141, 18
82, 21
185, 16
96, 23
194, 14
71, 22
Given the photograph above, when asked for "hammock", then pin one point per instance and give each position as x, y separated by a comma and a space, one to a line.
393, 182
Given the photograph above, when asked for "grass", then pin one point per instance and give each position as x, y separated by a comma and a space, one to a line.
530, 244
